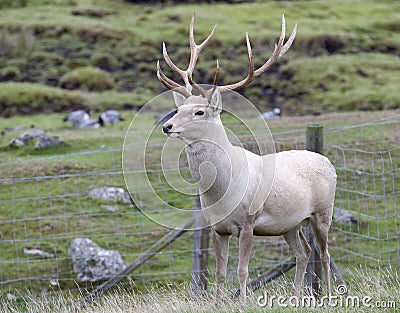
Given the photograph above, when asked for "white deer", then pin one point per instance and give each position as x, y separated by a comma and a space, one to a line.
243, 194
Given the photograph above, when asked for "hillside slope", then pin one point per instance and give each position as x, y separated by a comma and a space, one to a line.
345, 56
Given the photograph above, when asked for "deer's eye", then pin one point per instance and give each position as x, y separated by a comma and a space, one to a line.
199, 113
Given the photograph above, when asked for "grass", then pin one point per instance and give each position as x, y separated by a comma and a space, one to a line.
331, 19
344, 59
353, 39
359, 81
46, 210
381, 288
26, 98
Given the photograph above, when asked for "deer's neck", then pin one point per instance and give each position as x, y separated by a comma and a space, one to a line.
211, 161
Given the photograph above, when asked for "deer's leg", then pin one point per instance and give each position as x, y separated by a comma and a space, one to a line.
245, 245
320, 225
221, 246
301, 249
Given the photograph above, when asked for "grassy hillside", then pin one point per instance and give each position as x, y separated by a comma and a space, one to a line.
42, 44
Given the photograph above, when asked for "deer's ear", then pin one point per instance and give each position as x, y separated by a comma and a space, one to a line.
216, 101
178, 98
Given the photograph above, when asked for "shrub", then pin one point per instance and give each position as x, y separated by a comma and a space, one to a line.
87, 78
13, 3
103, 61
9, 73
92, 12
22, 41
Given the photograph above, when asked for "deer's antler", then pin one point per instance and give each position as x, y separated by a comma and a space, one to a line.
187, 75
280, 49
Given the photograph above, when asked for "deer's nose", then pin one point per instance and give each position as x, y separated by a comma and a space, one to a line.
167, 128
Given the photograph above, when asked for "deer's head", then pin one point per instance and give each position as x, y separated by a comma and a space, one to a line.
198, 115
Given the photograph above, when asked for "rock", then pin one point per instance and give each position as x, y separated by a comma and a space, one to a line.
15, 128
39, 252
11, 297
274, 114
93, 263
45, 142
342, 216
110, 194
111, 208
26, 137
42, 141
54, 282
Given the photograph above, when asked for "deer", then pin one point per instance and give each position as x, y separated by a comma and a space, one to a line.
243, 194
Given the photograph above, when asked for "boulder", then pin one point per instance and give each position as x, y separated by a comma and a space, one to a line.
39, 252
110, 194
15, 128
342, 216
45, 142
93, 263
26, 137
42, 140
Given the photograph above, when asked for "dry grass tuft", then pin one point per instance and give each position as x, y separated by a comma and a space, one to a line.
382, 287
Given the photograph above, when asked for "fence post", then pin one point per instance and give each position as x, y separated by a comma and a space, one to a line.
201, 239
312, 278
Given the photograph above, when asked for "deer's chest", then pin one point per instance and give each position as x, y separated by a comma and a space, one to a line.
230, 225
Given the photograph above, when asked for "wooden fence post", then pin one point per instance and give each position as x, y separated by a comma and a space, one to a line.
201, 240
312, 278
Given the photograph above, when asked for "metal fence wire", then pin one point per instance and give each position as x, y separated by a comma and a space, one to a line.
45, 203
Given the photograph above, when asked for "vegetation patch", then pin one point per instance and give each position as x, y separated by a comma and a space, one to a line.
87, 79
16, 43
23, 99
28, 99
47, 48
341, 82
92, 12
4, 4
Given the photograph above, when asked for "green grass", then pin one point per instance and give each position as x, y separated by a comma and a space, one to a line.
348, 83
356, 16
63, 204
354, 40
343, 59
26, 98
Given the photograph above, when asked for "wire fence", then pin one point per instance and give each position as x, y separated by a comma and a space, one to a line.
45, 203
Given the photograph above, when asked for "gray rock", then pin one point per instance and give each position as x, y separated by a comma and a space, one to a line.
77, 117
42, 140
45, 142
274, 114
110, 194
93, 263
91, 124
111, 116
11, 297
15, 128
342, 216
39, 252
26, 137
111, 208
